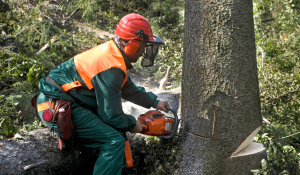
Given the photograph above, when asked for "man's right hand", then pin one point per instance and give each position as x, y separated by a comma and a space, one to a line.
137, 128
162, 106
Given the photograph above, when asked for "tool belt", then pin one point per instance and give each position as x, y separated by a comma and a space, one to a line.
59, 118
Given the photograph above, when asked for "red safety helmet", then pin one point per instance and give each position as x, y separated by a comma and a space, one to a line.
135, 27
130, 24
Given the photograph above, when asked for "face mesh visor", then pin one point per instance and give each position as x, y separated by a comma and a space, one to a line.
149, 56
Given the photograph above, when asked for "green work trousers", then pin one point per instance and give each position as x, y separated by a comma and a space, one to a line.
93, 133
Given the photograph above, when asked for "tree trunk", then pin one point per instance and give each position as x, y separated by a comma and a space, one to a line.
220, 92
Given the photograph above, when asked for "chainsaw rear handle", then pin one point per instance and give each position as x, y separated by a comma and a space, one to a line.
144, 127
175, 127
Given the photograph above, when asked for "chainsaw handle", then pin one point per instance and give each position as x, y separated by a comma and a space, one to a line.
144, 127
175, 124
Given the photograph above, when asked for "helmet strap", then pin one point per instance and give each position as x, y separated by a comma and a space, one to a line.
141, 33
121, 42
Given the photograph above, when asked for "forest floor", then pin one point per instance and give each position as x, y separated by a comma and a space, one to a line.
101, 33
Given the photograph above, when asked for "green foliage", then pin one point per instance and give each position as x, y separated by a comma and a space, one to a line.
8, 114
6, 18
163, 20
277, 39
15, 68
8, 129
282, 158
34, 125
266, 169
161, 155
15, 106
30, 25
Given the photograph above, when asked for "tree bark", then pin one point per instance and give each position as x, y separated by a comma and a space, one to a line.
220, 92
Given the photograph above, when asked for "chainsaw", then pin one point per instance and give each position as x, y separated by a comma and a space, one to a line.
154, 123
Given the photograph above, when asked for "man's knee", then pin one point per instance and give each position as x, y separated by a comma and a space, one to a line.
118, 142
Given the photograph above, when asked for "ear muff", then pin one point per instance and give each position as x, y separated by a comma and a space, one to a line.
132, 47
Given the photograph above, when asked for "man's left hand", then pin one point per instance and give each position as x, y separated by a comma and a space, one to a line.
162, 106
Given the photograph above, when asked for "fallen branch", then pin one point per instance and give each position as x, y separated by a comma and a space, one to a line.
6, 94
75, 11
28, 167
266, 121
47, 45
288, 136
27, 28
37, 31
65, 19
287, 94
61, 2
50, 18
268, 19
158, 61
65, 13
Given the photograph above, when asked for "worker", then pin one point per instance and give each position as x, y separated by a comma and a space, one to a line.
95, 81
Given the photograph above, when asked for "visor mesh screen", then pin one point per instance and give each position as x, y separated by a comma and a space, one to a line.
149, 56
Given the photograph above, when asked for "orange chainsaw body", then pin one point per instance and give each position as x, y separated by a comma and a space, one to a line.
155, 123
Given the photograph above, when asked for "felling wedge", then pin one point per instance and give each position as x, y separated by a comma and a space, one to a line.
248, 147
253, 148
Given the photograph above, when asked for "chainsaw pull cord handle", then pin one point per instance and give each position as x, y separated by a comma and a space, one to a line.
175, 124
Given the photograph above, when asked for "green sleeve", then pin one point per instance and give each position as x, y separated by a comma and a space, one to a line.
138, 95
108, 87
